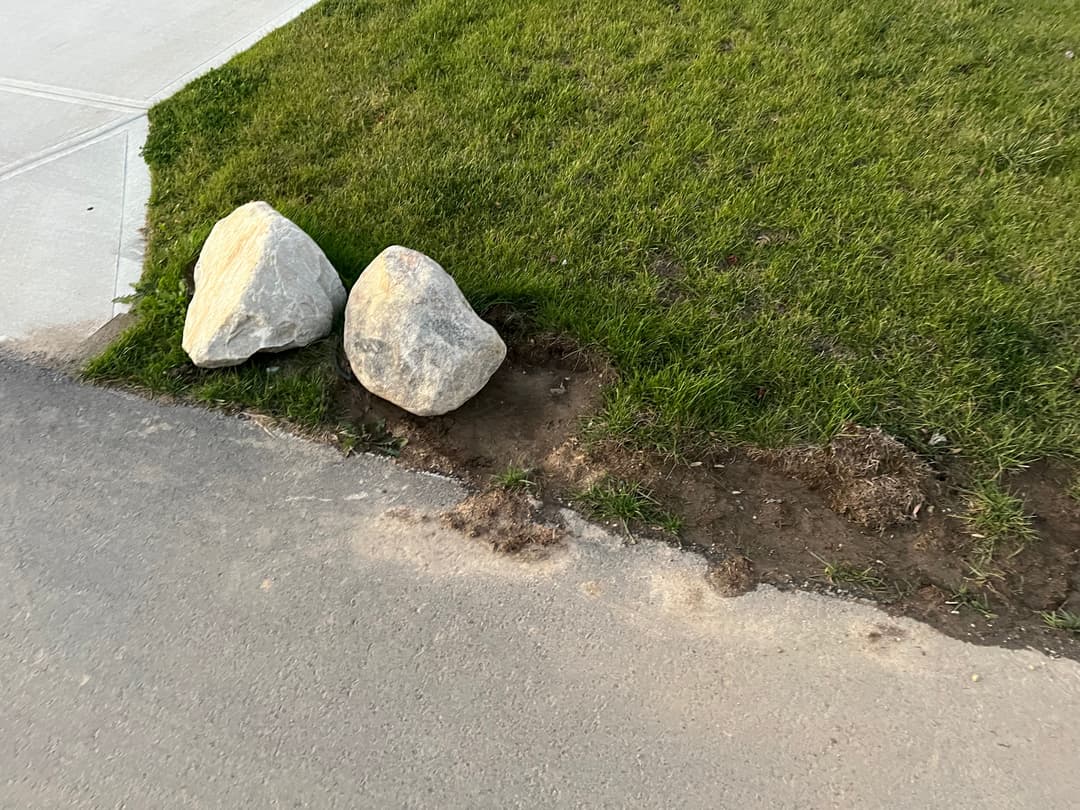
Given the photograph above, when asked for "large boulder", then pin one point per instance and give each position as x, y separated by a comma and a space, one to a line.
261, 284
412, 338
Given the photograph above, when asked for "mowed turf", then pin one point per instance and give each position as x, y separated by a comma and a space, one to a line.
773, 217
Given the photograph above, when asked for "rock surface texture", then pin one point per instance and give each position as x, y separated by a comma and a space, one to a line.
412, 338
261, 284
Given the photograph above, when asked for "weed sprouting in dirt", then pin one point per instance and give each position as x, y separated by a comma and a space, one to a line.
627, 503
369, 437
1062, 619
972, 599
843, 574
997, 522
521, 479
983, 576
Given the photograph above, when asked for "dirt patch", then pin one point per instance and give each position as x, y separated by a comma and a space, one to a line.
1046, 574
510, 521
530, 409
733, 576
865, 474
864, 516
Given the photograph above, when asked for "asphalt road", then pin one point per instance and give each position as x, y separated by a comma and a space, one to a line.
196, 613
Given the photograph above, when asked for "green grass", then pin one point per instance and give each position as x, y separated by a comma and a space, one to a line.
627, 502
972, 599
369, 437
518, 479
846, 575
996, 519
774, 217
1062, 619
297, 390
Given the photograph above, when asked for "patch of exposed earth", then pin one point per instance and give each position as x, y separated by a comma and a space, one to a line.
882, 520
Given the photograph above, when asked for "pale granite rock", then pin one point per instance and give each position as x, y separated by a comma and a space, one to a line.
412, 338
261, 284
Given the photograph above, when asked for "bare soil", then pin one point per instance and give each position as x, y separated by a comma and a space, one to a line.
865, 474
510, 521
865, 503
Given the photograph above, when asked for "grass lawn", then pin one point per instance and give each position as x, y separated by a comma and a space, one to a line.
774, 217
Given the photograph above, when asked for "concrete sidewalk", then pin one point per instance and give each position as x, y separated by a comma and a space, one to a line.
76, 80
236, 619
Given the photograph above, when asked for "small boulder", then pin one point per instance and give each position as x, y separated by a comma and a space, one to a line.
412, 338
261, 284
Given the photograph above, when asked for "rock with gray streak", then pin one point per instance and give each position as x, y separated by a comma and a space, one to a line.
261, 284
412, 338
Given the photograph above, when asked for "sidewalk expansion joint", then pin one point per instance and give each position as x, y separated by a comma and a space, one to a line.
70, 95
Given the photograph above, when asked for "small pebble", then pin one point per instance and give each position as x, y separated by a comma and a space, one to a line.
975, 679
